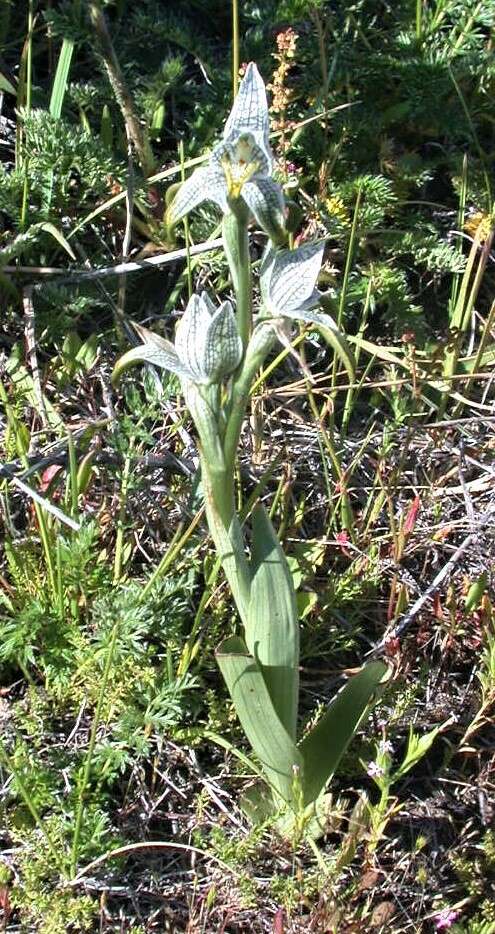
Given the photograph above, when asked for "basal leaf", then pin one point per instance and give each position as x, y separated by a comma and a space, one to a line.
272, 633
274, 748
323, 748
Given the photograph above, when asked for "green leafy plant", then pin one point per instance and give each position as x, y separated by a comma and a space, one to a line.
216, 356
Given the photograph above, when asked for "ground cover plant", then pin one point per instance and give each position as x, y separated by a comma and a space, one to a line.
326, 267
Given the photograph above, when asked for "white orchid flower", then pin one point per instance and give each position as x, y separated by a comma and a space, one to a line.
207, 345
239, 167
288, 281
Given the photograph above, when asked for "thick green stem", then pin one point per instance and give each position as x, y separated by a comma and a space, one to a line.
262, 340
218, 488
226, 532
236, 243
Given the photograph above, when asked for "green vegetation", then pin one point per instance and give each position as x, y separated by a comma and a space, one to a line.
126, 781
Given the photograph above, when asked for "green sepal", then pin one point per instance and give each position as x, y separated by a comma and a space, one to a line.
279, 757
272, 632
323, 748
84, 472
294, 216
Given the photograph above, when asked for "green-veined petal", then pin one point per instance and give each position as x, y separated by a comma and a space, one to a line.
290, 280
250, 110
190, 337
205, 184
155, 350
265, 200
223, 346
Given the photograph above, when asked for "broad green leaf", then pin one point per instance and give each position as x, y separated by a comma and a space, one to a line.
379, 351
88, 352
61, 77
249, 764
272, 632
157, 120
24, 385
324, 746
275, 750
486, 358
476, 592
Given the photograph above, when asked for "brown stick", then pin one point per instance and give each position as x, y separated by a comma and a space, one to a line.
120, 89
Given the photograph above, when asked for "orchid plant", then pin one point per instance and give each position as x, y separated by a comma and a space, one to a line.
216, 355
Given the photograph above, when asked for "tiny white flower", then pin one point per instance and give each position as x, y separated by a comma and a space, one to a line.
240, 166
207, 345
375, 771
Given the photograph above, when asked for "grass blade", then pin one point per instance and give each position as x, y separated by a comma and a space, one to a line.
61, 78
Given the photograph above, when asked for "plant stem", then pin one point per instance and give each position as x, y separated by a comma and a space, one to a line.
347, 272
241, 391
235, 46
186, 225
119, 542
91, 747
29, 85
38, 820
217, 477
236, 243
73, 475
120, 89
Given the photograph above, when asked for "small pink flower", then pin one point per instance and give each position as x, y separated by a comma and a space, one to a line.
445, 919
